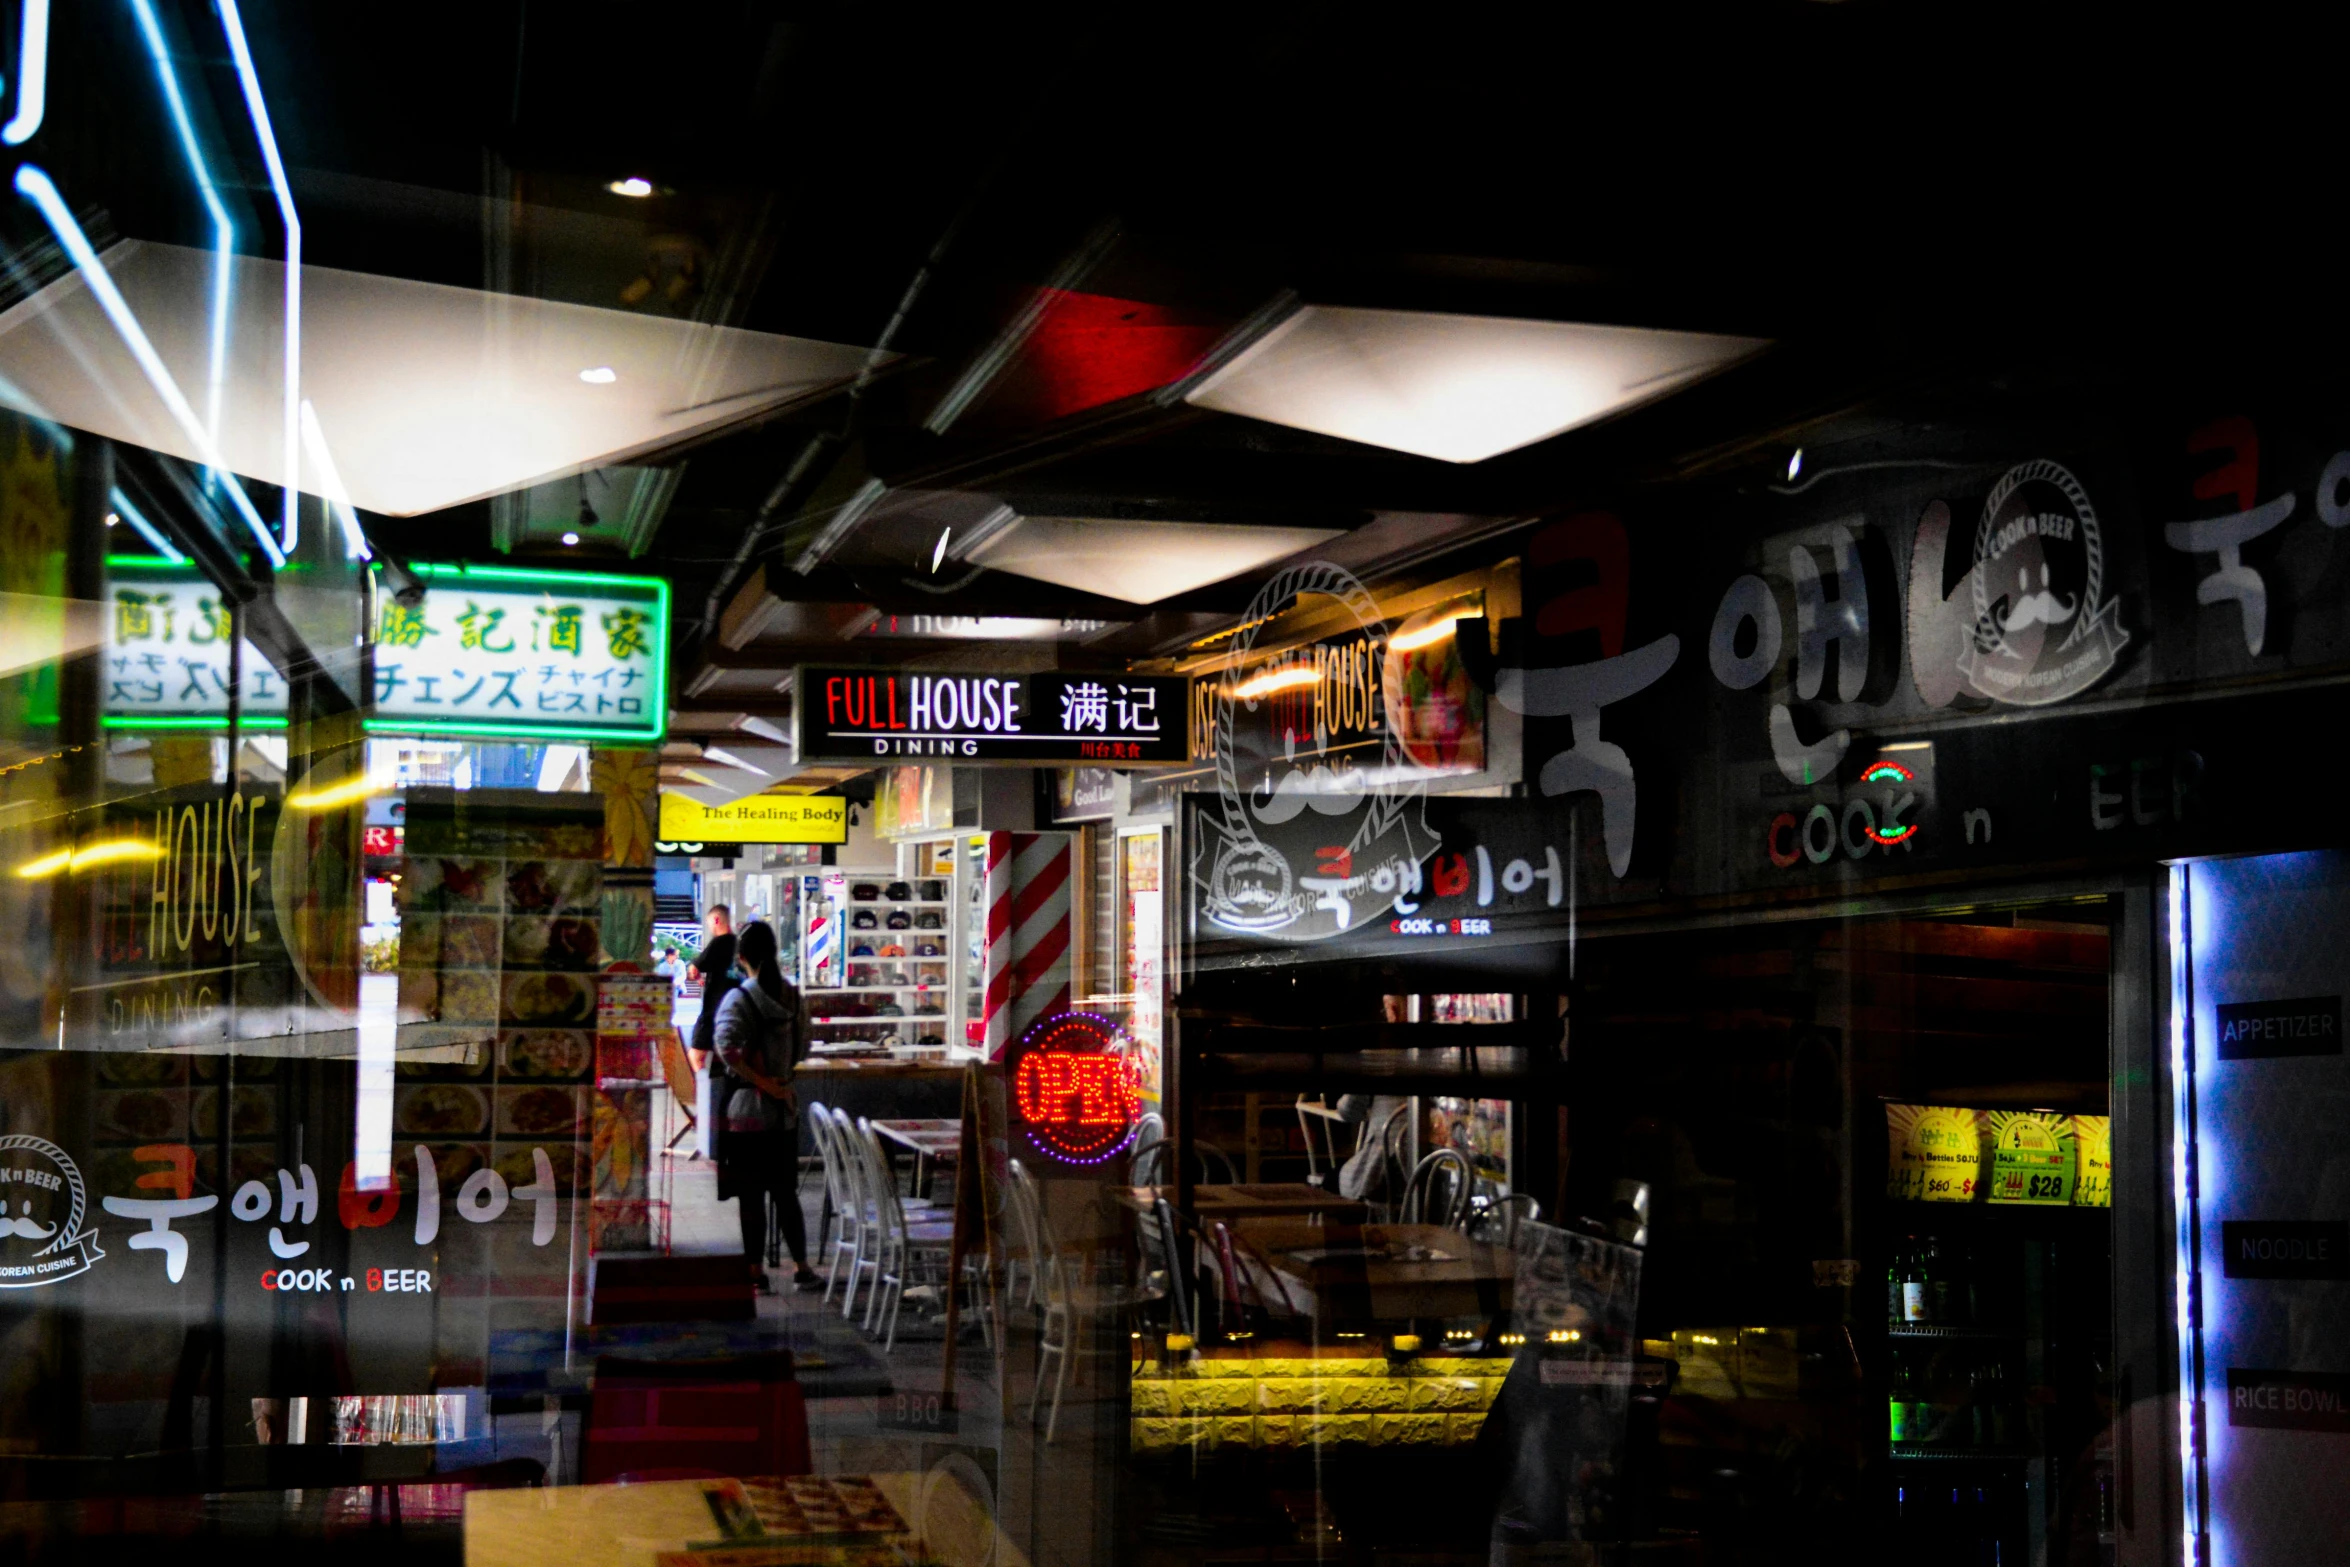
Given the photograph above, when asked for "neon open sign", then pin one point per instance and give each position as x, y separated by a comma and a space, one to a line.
1075, 1087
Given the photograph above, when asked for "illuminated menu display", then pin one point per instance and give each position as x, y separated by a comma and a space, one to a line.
1059, 716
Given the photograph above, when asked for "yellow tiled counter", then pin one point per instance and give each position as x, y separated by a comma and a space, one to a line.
1293, 1401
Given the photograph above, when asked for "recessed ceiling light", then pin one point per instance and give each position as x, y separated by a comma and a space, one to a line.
570, 539
1456, 388
1794, 464
600, 375
434, 395
1140, 562
632, 186
112, 518
938, 556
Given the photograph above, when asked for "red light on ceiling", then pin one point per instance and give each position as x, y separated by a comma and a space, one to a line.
1088, 350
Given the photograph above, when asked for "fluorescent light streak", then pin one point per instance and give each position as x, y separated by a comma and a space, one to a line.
147, 530
32, 75
111, 852
1266, 684
338, 499
2189, 1271
348, 792
632, 186
599, 375
223, 231
234, 27
35, 186
1413, 641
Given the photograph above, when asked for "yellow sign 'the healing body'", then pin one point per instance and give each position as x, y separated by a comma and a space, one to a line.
758, 818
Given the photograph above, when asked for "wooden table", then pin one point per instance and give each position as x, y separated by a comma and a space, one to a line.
626, 1525
932, 1142
1259, 1200
1366, 1274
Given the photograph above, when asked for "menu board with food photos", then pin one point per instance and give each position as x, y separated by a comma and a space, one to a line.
500, 935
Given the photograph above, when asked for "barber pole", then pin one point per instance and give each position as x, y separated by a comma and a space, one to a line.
1027, 933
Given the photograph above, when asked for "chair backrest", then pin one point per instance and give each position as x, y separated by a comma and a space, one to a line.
1149, 1127
1502, 1218
1035, 1234
1317, 1126
881, 1182
851, 1204
1439, 1190
1178, 1287
827, 1141
743, 1415
676, 1068
1151, 1163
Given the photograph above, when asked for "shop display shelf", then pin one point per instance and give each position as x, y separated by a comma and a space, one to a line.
1936, 1330
1924, 1452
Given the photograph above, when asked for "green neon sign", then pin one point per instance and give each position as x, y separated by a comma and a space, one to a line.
490, 653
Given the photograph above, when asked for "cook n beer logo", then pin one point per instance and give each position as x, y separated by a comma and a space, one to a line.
42, 1204
2043, 629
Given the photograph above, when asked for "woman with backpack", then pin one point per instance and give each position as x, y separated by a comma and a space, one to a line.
757, 1040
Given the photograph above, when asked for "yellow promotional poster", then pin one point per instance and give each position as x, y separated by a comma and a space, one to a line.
1935, 1153
2093, 1140
2031, 1158
758, 818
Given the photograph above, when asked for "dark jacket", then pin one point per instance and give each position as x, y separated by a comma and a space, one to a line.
716, 965
757, 1030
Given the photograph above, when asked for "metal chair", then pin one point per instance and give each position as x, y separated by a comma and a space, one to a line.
839, 1199
1150, 1157
904, 1243
1169, 1236
1500, 1220
862, 1213
1438, 1191
1318, 1124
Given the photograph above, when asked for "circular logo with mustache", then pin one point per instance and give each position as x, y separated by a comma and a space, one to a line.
2043, 628
42, 1204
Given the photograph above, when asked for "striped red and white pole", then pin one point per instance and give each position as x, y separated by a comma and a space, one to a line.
1027, 933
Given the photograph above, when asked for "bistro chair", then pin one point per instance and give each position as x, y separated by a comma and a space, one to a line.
1499, 1221
1150, 1161
1438, 1191
839, 1204
904, 1245
1027, 1269
1244, 1303
1318, 1124
861, 1217
1168, 1232
682, 1090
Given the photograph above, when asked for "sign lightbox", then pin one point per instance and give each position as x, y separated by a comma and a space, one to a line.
1046, 719
489, 652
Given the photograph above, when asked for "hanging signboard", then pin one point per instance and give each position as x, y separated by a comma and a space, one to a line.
758, 818
492, 652
1084, 794
487, 653
167, 664
1045, 719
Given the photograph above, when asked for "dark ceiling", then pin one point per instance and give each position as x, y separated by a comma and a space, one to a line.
1055, 212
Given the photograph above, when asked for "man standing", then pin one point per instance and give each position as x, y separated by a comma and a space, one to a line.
714, 967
